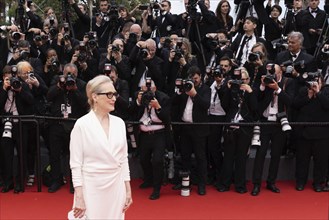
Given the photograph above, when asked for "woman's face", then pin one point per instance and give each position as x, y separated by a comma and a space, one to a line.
123, 13
102, 100
225, 8
258, 49
275, 13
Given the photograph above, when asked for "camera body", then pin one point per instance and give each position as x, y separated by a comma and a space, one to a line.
290, 66
69, 80
254, 56
184, 85
148, 95
311, 78
179, 53
107, 69
15, 83
144, 53
115, 48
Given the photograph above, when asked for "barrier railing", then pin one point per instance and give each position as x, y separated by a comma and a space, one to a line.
37, 119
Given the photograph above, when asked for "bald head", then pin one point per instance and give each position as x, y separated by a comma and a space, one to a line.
136, 29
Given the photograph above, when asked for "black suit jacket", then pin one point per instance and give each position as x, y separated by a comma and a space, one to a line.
201, 104
285, 97
312, 110
122, 102
309, 61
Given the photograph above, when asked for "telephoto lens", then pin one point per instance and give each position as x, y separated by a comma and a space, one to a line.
255, 141
282, 117
185, 190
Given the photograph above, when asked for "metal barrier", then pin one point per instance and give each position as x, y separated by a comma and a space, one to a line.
36, 120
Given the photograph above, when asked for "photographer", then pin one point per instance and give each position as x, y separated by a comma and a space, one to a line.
145, 63
82, 24
105, 23
52, 66
115, 57
313, 21
294, 17
216, 47
67, 95
244, 42
122, 88
276, 93
256, 64
312, 102
179, 61
152, 109
85, 62
240, 105
16, 98
135, 35
216, 113
193, 101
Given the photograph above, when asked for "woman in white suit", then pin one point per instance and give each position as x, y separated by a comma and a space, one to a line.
98, 157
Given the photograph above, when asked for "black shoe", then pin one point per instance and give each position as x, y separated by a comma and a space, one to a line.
54, 187
317, 188
201, 190
222, 189
145, 185
241, 190
177, 186
7, 188
299, 187
256, 190
155, 195
273, 188
18, 188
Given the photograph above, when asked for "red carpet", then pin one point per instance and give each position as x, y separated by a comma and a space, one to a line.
289, 204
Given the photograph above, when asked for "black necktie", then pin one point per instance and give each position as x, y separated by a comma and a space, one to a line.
245, 40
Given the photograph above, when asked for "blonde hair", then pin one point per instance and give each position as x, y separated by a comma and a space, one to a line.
23, 66
95, 86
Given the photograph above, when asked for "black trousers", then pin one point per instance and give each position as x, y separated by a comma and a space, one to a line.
236, 145
59, 141
306, 149
270, 136
152, 149
191, 142
8, 146
214, 145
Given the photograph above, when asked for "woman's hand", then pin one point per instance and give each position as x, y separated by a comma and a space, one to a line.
80, 208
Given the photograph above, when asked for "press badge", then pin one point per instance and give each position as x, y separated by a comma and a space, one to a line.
66, 110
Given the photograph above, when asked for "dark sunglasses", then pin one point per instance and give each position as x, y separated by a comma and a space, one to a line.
109, 94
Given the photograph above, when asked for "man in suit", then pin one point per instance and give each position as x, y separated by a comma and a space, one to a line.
243, 43
193, 106
275, 97
145, 64
16, 98
313, 21
152, 109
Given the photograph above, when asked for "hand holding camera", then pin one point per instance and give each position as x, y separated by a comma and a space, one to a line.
154, 103
246, 87
32, 80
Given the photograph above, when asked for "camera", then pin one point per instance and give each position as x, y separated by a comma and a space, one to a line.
178, 54
254, 56
69, 80
52, 20
82, 57
144, 53
66, 37
115, 48
270, 76
148, 95
255, 141
280, 44
8, 125
290, 66
311, 78
66, 27
24, 54
31, 75
15, 83
132, 37
16, 36
143, 7
218, 72
184, 85
107, 69
92, 38
38, 38
282, 118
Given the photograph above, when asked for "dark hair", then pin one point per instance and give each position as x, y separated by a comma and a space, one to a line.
226, 58
278, 7
169, 3
252, 19
219, 14
193, 70
222, 31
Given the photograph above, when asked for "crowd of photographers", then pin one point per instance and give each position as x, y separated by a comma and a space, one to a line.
193, 68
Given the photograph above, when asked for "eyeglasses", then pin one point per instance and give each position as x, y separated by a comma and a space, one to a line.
244, 78
109, 94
